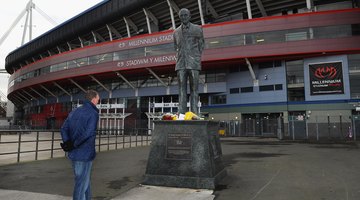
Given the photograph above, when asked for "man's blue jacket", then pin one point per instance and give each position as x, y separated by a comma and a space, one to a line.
80, 127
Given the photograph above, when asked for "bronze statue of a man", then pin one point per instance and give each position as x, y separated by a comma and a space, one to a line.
189, 44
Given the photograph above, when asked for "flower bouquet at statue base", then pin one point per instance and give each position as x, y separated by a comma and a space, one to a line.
191, 116
186, 116
169, 116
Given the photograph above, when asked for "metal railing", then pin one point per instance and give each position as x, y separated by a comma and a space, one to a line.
44, 144
319, 128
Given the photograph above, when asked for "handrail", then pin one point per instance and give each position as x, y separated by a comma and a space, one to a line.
112, 139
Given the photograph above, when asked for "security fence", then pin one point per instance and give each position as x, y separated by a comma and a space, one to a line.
28, 145
323, 128
317, 128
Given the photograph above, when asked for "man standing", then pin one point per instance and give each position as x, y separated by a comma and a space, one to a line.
78, 134
189, 44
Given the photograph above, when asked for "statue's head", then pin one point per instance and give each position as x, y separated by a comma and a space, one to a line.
184, 15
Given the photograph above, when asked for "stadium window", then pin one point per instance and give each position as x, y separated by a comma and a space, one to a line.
215, 76
277, 63
244, 68
220, 77
45, 70
354, 62
100, 58
296, 94
121, 55
37, 72
278, 87
218, 99
247, 89
332, 31
263, 88
77, 63
295, 71
58, 67
354, 67
355, 29
296, 35
266, 65
159, 49
136, 53
234, 69
210, 78
234, 90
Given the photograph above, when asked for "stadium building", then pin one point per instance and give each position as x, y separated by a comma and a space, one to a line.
268, 67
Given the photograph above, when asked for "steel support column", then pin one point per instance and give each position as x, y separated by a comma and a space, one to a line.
171, 15
127, 27
147, 20
81, 42
109, 31
201, 12
102, 85
26, 98
69, 45
52, 94
77, 85
66, 92
252, 73
248, 6
310, 5
113, 30
124, 79
20, 99
32, 97
261, 8
157, 77
46, 101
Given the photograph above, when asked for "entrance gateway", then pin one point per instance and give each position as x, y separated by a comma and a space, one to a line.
263, 124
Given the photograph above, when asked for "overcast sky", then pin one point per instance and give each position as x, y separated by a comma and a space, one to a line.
59, 11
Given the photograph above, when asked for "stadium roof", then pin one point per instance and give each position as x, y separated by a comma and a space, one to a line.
112, 16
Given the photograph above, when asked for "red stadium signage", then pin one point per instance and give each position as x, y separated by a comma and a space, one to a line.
157, 39
147, 61
326, 78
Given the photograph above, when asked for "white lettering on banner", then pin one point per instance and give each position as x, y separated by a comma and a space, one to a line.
142, 61
130, 63
106, 106
326, 81
166, 105
109, 106
146, 41
165, 38
143, 41
121, 64
122, 45
169, 105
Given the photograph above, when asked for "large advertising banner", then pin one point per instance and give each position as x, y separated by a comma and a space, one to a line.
326, 78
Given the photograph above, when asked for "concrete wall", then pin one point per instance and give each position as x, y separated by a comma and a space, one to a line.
267, 76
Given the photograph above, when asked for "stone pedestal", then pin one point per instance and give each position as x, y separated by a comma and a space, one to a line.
185, 154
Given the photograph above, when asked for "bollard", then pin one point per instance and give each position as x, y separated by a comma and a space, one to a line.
37, 145
19, 148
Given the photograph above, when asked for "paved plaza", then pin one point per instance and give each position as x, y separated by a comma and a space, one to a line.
261, 169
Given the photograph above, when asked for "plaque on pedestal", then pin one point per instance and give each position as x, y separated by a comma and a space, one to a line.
185, 154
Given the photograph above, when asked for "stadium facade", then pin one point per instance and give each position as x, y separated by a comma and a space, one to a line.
265, 63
